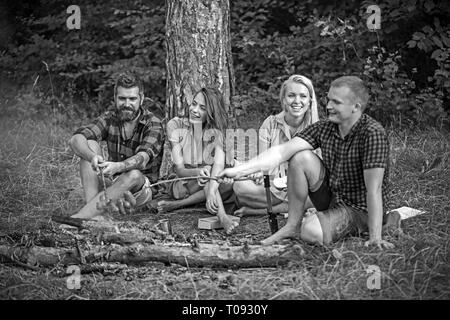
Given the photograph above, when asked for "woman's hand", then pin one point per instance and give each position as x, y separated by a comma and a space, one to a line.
212, 202
204, 172
258, 177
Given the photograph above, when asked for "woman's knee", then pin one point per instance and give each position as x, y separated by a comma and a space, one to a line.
241, 188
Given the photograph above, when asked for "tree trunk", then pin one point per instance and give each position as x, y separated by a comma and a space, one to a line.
198, 55
198, 52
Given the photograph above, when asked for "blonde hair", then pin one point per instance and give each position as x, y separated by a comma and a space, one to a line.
313, 110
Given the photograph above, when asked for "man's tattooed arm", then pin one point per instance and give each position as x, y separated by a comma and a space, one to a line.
138, 161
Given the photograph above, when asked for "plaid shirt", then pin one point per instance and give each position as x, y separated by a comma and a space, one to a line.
365, 147
148, 136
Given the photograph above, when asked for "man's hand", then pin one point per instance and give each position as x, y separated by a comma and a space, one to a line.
204, 172
380, 243
111, 168
228, 175
95, 161
124, 205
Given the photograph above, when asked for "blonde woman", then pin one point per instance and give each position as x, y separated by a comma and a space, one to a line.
299, 110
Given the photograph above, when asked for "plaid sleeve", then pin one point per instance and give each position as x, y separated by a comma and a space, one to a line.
311, 134
152, 138
375, 150
98, 129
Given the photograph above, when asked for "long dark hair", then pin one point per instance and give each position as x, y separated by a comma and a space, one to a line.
216, 115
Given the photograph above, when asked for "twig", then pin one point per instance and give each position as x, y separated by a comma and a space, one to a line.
50, 77
15, 260
21, 285
193, 178
80, 252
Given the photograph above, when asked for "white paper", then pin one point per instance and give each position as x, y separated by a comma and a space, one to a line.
407, 212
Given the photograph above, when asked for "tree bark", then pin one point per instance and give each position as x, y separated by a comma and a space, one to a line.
198, 52
198, 55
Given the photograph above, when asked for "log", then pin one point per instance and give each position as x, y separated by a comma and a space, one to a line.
95, 226
127, 238
199, 255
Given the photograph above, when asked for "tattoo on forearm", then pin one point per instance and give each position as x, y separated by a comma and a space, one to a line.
134, 162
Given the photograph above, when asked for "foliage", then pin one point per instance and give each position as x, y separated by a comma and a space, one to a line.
325, 41
113, 37
405, 63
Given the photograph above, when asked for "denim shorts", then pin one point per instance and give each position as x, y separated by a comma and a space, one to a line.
337, 220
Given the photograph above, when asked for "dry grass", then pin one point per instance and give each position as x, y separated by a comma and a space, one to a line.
38, 176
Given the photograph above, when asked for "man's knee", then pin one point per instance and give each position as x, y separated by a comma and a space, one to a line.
94, 146
311, 230
308, 163
131, 179
303, 159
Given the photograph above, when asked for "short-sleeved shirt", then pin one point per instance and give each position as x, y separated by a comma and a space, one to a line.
274, 131
366, 146
180, 131
148, 136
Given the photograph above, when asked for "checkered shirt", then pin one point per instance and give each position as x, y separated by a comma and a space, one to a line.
148, 136
365, 147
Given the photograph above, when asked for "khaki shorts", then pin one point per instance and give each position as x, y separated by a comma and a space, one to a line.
177, 189
142, 196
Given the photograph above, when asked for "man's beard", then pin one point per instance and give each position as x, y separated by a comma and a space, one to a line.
127, 114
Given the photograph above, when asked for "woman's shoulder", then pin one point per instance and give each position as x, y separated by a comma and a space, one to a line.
271, 121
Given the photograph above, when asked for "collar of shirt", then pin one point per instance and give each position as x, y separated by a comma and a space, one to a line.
353, 130
282, 124
279, 118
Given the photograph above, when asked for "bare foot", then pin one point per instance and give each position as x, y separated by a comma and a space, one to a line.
247, 211
285, 232
240, 212
166, 206
227, 223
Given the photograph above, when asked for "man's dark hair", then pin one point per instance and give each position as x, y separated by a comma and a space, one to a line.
356, 86
129, 80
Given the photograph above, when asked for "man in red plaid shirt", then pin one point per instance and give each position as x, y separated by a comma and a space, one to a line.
134, 138
348, 186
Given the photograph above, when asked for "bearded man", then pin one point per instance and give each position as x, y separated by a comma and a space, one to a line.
134, 138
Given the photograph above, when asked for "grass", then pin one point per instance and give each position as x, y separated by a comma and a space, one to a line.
39, 176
